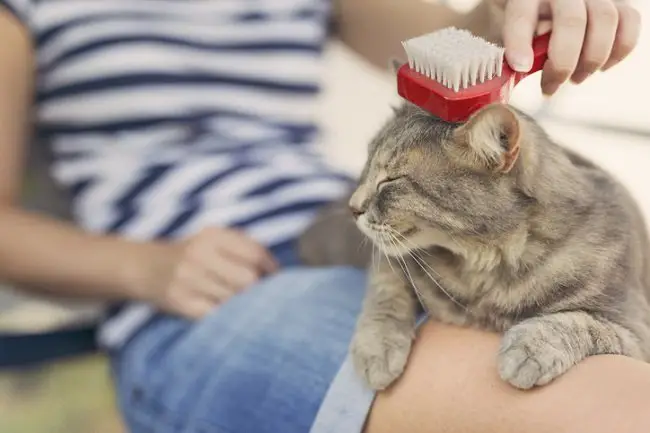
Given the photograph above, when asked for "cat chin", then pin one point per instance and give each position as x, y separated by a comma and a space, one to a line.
380, 239
432, 237
392, 250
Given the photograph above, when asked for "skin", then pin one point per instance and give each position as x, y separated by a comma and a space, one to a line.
187, 278
451, 385
588, 35
374, 29
175, 277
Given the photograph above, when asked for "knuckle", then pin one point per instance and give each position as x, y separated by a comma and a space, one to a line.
208, 234
605, 12
248, 277
572, 21
182, 271
193, 250
258, 254
208, 230
631, 13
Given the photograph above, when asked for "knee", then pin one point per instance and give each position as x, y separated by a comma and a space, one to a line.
451, 384
437, 385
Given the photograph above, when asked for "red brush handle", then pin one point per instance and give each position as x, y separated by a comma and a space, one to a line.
540, 55
453, 106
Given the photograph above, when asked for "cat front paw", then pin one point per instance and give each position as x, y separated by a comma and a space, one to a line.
528, 357
379, 355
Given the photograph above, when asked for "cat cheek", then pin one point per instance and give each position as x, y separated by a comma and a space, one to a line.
382, 202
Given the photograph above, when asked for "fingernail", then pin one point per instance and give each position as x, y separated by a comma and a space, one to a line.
520, 62
548, 90
607, 65
548, 87
580, 77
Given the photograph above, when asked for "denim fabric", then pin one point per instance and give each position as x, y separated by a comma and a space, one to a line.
271, 360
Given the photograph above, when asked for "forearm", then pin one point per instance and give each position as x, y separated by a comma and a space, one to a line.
37, 252
375, 28
50, 256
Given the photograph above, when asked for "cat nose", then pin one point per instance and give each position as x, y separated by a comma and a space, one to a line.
356, 212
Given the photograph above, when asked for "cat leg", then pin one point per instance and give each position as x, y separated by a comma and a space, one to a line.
386, 327
537, 350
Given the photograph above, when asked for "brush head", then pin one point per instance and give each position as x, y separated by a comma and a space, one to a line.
455, 58
453, 74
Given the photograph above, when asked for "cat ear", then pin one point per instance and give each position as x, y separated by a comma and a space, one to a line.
394, 64
493, 136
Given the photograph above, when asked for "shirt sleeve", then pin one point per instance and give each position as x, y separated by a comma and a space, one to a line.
21, 9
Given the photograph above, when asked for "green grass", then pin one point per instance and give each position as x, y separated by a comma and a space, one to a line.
67, 397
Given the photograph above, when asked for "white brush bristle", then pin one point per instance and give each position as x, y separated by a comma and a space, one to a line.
455, 58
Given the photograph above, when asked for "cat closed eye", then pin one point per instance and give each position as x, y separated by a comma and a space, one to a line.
388, 180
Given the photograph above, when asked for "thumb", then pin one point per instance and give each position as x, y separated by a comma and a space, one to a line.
194, 307
519, 27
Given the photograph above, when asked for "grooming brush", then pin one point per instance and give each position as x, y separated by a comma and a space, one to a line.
451, 73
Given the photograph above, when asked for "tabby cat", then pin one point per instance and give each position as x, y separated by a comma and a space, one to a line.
491, 224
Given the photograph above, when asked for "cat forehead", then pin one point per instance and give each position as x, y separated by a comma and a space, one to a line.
411, 136
412, 126
410, 157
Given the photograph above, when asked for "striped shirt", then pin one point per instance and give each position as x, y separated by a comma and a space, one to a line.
166, 116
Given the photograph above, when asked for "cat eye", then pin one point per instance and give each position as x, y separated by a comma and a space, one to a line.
388, 180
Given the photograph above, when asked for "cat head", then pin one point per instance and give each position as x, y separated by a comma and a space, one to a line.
432, 183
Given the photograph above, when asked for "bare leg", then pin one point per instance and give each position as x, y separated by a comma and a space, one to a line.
451, 384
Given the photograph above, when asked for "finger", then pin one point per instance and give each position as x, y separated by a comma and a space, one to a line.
569, 25
246, 250
518, 31
543, 27
236, 245
238, 276
602, 21
627, 34
195, 279
232, 273
194, 307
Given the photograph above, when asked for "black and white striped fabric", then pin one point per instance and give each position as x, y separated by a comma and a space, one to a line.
166, 116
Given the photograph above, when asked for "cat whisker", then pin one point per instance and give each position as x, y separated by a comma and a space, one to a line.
422, 263
454, 300
362, 244
386, 255
407, 272
408, 243
375, 256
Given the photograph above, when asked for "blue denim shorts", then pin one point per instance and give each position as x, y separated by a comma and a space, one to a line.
271, 360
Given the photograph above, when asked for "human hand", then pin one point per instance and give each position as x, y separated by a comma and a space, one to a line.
191, 277
588, 35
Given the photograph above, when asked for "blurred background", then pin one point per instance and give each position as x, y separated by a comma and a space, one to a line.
606, 118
